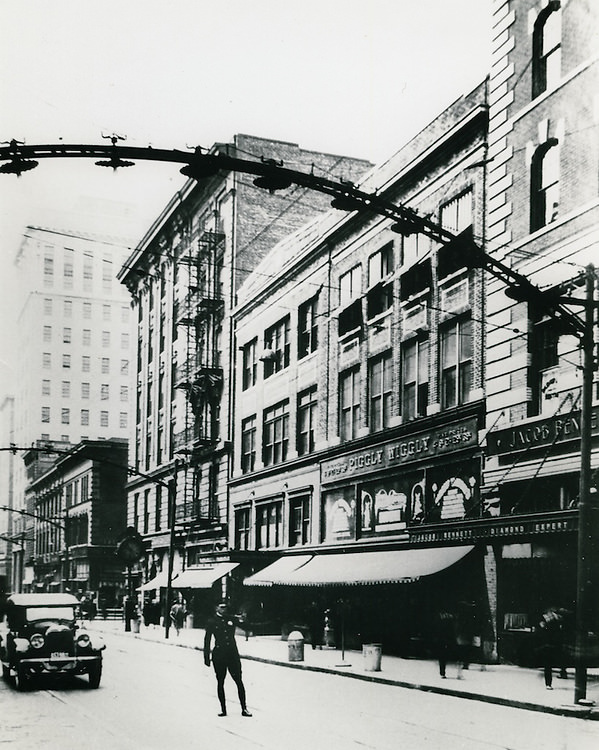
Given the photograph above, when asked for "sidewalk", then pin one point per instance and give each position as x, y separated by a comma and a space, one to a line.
502, 684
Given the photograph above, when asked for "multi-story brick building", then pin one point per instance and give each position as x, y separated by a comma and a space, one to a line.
78, 506
184, 276
543, 221
359, 400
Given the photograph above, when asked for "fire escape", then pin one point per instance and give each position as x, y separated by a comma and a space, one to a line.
199, 317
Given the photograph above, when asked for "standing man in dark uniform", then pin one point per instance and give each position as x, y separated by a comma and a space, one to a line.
225, 655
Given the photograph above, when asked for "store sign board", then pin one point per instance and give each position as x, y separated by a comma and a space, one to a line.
416, 447
540, 433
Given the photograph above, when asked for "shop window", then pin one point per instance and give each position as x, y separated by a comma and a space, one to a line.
299, 520
275, 434
307, 336
276, 347
249, 364
456, 363
379, 392
546, 49
415, 360
539, 494
306, 421
544, 185
452, 491
339, 515
349, 404
269, 525
242, 528
248, 444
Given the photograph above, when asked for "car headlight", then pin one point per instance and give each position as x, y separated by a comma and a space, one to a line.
83, 640
37, 640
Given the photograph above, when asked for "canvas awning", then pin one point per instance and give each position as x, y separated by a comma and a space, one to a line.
158, 582
202, 578
277, 572
354, 568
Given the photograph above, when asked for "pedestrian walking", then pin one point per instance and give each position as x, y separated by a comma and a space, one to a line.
315, 622
445, 638
224, 655
177, 615
550, 637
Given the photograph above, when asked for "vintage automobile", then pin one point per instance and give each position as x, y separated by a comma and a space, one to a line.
44, 639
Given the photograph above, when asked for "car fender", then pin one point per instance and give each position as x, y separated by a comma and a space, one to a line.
97, 642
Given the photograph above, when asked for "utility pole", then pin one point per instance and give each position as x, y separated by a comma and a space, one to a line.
172, 496
588, 508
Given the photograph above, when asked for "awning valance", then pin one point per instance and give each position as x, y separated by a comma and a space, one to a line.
354, 568
158, 582
202, 578
277, 572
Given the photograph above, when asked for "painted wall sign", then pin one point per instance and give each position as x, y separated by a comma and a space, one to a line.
540, 433
416, 447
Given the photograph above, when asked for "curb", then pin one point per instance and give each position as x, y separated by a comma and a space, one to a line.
576, 712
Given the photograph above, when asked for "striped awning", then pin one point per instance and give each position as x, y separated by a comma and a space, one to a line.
355, 568
202, 578
277, 572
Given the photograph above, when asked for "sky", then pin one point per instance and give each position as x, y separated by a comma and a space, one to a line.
352, 77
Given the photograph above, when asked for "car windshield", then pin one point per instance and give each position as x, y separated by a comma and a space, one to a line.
48, 613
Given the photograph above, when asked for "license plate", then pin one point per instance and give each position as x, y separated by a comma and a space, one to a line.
59, 655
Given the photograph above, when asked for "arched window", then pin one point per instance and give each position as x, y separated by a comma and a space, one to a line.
546, 49
544, 185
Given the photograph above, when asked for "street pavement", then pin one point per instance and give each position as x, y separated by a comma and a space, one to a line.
503, 684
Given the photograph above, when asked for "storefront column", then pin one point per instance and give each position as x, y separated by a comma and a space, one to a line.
490, 639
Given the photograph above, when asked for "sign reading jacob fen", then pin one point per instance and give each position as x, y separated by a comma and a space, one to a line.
540, 433
417, 447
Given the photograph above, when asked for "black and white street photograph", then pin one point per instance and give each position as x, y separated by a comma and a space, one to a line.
299, 374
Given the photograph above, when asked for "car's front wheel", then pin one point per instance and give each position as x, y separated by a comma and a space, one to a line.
21, 678
95, 675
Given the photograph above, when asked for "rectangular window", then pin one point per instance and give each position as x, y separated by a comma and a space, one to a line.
105, 339
307, 333
249, 364
380, 265
48, 266
87, 337
124, 366
105, 365
85, 363
87, 310
158, 509
46, 360
105, 312
124, 314
275, 434
124, 340
66, 335
68, 308
84, 390
379, 392
350, 286
277, 347
248, 444
65, 417
47, 306
84, 417
66, 361
456, 214
415, 357
88, 270
45, 414
47, 334
269, 525
456, 363
306, 421
123, 422
242, 528
104, 391
349, 404
45, 387
299, 520
66, 389
103, 419
124, 393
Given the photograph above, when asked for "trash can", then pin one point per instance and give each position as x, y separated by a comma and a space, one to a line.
135, 624
295, 646
372, 657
